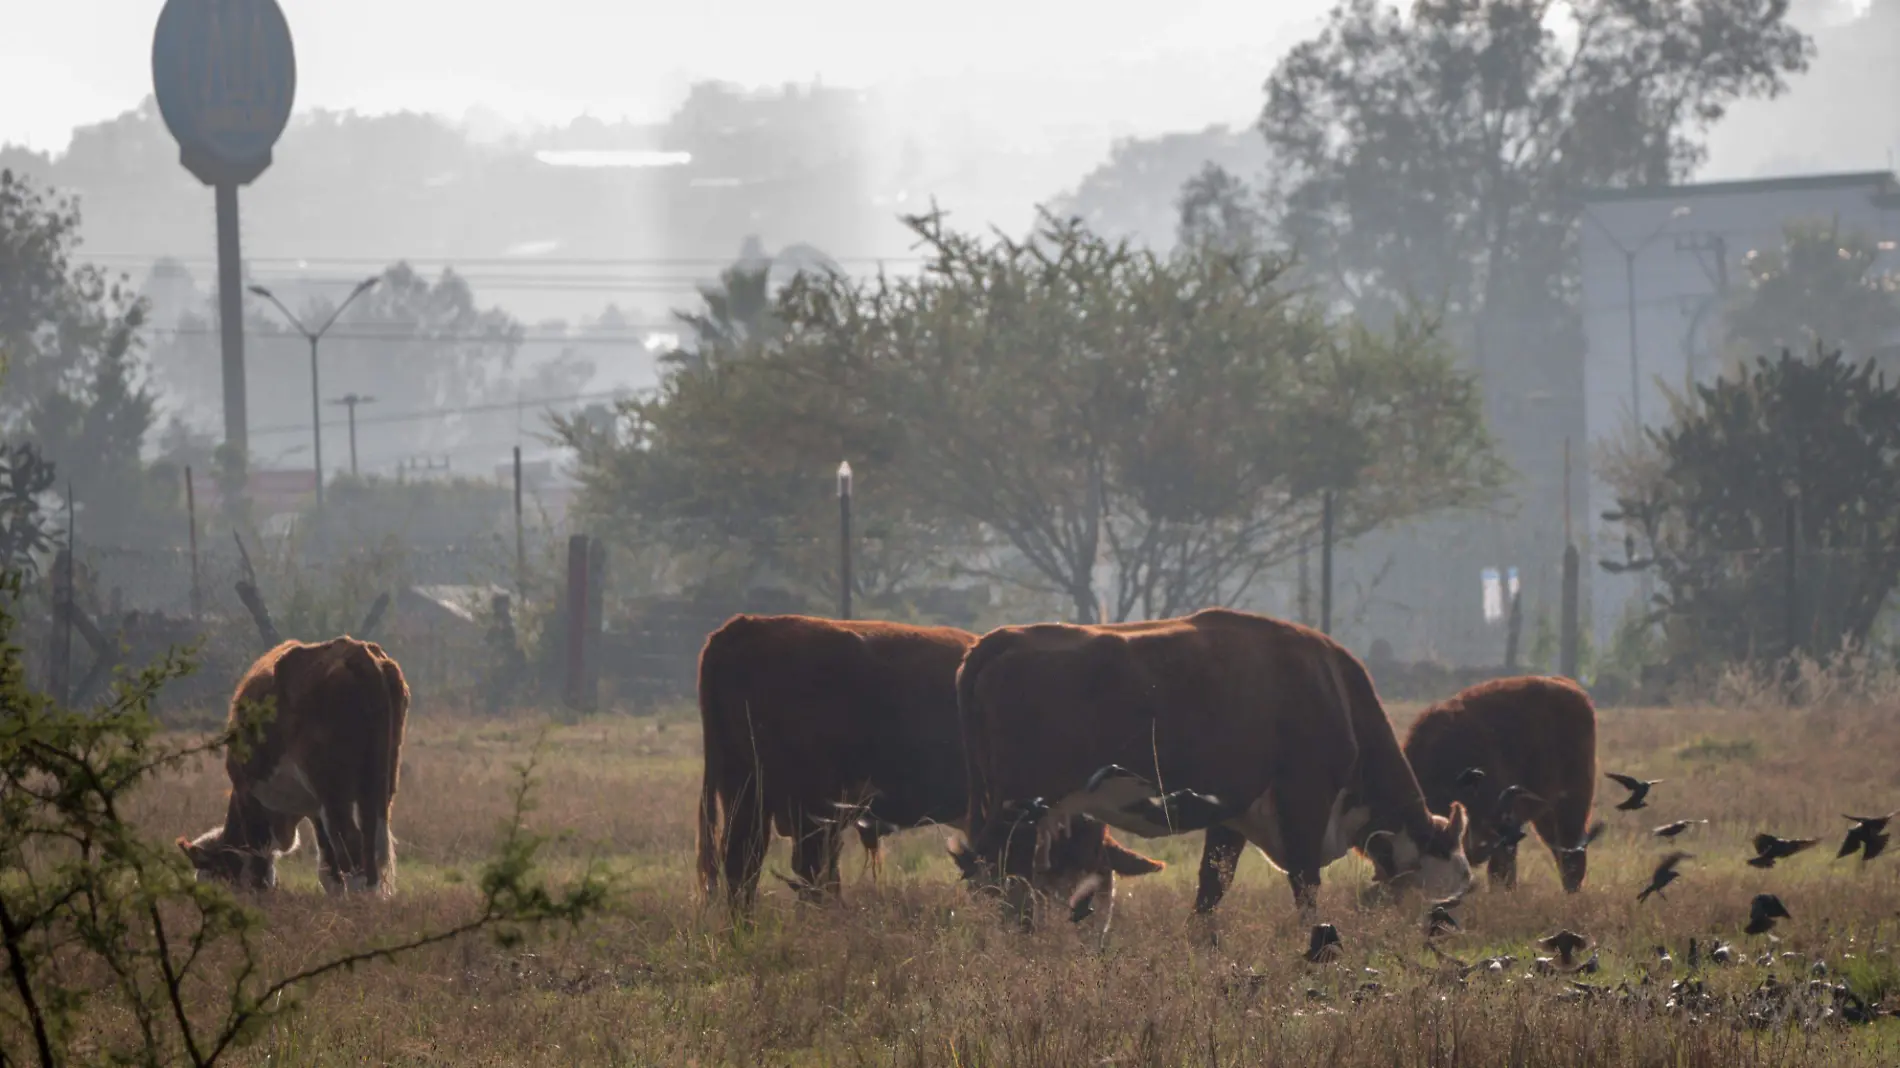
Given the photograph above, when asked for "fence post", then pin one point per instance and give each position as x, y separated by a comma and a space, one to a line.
1569, 626
1513, 629
1792, 596
60, 643
591, 635
1326, 563
1568, 623
576, 643
521, 551
191, 513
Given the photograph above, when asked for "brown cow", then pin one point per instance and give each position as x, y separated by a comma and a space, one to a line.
330, 751
1532, 732
1258, 730
807, 717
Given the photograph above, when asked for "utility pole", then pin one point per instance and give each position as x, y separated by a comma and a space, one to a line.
316, 416
350, 401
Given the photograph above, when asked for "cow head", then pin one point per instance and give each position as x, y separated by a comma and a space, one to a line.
1436, 866
1488, 832
1072, 862
212, 857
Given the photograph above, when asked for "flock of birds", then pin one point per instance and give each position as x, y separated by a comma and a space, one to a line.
1770, 1001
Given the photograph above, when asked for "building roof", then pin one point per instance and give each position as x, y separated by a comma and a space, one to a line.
1880, 183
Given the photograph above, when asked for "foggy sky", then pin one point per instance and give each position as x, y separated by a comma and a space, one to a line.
1131, 67
1021, 74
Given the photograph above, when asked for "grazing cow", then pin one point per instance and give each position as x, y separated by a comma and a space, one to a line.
810, 723
1254, 730
331, 751
1533, 741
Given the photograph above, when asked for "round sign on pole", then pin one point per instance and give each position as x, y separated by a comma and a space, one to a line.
225, 75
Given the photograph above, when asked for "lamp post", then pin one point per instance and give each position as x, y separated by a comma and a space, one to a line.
1629, 289
316, 418
844, 540
350, 401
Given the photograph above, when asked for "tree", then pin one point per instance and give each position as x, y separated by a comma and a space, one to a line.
416, 344
1706, 504
58, 321
1821, 285
1440, 152
25, 479
1134, 193
730, 465
114, 952
1085, 403
1215, 207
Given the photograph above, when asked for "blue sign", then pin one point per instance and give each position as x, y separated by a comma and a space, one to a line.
225, 75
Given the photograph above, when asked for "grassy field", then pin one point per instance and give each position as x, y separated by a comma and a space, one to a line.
913, 971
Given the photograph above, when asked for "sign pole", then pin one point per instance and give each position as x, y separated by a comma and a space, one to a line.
231, 319
224, 73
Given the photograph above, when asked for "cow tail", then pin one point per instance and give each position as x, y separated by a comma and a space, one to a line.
376, 796
710, 694
384, 840
976, 741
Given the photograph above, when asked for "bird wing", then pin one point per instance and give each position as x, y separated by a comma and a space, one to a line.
1765, 842
1796, 845
1628, 782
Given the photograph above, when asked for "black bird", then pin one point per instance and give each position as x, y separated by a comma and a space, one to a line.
1664, 874
1670, 830
1769, 849
1638, 788
1869, 837
1441, 921
1763, 912
1468, 778
1565, 944
1720, 952
1110, 771
1183, 810
1324, 944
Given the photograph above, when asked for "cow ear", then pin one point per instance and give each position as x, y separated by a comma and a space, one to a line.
1456, 831
1125, 861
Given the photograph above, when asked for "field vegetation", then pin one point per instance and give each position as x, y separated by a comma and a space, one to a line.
913, 970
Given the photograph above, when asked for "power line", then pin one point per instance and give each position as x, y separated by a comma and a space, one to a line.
717, 262
444, 413
459, 339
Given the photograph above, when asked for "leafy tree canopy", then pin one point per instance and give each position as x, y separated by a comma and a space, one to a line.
1821, 283
1027, 411
1708, 504
1438, 148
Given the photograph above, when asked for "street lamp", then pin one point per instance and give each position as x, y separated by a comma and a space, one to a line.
316, 417
350, 401
1629, 288
844, 540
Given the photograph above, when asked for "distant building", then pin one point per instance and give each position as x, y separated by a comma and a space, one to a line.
1680, 250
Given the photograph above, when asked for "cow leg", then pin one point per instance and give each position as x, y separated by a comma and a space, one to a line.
1560, 826
1502, 867
816, 846
1303, 834
327, 874
746, 836
1220, 858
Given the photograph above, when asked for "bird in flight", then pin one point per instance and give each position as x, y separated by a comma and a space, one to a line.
1638, 788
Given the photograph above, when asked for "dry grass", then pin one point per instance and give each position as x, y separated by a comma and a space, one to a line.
913, 971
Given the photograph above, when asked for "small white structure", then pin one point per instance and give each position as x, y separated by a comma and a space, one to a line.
1657, 266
